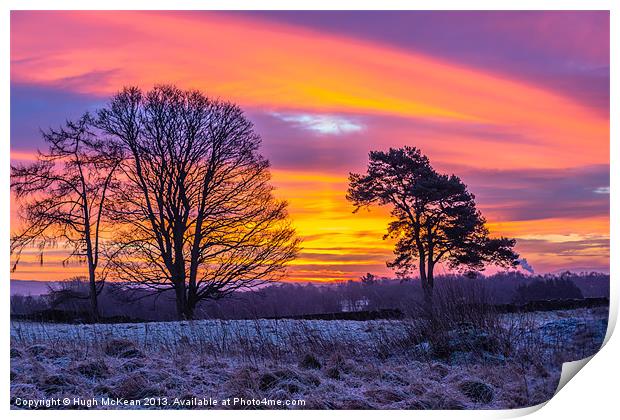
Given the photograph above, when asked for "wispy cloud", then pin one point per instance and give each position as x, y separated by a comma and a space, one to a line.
322, 123
602, 190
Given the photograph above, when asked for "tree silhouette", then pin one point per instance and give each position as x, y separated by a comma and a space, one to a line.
63, 194
195, 209
436, 219
541, 288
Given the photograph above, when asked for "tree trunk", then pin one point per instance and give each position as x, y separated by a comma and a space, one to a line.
428, 293
428, 301
92, 266
189, 310
422, 265
430, 278
94, 307
181, 299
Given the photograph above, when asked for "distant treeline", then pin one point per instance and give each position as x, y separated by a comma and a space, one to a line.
67, 302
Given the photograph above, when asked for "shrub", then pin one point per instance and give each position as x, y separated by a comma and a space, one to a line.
477, 391
440, 401
310, 361
384, 396
333, 373
267, 380
122, 348
93, 368
243, 383
133, 387
355, 404
41, 351
54, 383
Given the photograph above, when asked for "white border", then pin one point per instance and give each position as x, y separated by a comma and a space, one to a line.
593, 395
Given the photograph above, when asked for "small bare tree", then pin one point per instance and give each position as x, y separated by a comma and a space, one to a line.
62, 196
195, 209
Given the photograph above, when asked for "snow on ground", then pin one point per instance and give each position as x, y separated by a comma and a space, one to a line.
152, 333
275, 331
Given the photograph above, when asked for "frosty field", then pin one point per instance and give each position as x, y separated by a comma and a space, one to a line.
515, 361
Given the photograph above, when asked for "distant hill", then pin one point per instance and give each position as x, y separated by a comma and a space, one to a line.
29, 287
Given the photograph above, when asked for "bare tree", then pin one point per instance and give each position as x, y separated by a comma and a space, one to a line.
197, 212
62, 196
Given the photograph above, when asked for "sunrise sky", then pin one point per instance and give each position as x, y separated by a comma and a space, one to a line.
516, 103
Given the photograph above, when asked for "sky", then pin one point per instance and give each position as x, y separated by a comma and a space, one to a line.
515, 103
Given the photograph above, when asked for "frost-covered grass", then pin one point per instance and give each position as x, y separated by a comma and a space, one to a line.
513, 362
210, 332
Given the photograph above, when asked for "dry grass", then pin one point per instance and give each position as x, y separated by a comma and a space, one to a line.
462, 361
